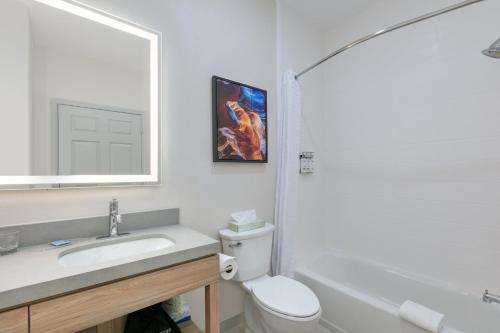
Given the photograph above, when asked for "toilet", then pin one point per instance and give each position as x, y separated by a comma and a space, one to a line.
272, 304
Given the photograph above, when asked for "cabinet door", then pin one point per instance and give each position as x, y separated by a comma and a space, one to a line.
15, 321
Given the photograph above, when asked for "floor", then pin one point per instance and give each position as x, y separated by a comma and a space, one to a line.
241, 329
237, 329
321, 329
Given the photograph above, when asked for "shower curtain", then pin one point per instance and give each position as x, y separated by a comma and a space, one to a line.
287, 185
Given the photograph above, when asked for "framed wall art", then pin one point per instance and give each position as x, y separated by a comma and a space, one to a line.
239, 122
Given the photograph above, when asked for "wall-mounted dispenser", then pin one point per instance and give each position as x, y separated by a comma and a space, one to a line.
307, 162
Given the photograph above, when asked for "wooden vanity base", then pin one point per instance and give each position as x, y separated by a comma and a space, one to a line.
91, 307
15, 321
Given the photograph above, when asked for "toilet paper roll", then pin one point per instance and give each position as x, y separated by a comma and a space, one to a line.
227, 266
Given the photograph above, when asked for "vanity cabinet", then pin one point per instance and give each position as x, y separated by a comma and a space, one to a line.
15, 321
86, 308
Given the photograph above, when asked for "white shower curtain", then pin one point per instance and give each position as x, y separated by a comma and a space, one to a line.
287, 186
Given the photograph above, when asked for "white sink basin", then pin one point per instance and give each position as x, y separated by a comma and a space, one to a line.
112, 250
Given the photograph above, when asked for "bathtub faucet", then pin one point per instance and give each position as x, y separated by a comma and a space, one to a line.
490, 298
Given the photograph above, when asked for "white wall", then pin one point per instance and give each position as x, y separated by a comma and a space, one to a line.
79, 79
230, 38
300, 43
15, 88
413, 142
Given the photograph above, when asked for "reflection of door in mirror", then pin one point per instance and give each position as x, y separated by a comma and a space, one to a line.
69, 88
94, 141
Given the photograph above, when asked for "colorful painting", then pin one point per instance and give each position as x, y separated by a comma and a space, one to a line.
240, 122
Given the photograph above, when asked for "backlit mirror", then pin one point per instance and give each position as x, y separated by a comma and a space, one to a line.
79, 91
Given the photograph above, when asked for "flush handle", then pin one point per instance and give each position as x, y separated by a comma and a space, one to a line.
237, 244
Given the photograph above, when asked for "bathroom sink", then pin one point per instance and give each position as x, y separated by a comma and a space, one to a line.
113, 249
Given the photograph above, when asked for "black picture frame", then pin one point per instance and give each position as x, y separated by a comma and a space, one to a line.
216, 122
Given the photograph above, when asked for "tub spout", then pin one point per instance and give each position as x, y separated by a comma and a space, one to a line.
490, 298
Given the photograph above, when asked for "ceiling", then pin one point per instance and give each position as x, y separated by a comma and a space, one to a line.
327, 13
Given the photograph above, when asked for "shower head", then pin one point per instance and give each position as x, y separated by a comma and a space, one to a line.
493, 51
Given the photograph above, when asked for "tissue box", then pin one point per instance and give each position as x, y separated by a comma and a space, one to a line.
240, 227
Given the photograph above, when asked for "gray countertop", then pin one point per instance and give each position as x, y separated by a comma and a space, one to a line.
34, 273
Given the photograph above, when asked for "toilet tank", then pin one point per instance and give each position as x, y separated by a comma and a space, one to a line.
252, 250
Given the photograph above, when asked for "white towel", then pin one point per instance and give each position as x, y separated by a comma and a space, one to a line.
421, 316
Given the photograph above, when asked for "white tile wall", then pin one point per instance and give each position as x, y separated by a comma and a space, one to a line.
413, 143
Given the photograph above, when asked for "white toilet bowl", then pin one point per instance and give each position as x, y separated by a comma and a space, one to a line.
272, 304
280, 305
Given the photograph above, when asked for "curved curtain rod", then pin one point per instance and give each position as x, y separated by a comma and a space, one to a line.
386, 30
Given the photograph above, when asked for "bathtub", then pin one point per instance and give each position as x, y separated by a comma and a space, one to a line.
359, 296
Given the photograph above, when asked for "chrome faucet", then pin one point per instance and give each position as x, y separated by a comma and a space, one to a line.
115, 219
490, 298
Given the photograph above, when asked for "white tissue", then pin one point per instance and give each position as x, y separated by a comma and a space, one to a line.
246, 216
227, 266
422, 317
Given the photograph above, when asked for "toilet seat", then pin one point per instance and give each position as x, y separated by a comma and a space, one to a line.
287, 297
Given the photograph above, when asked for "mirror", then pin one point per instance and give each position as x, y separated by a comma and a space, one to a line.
80, 96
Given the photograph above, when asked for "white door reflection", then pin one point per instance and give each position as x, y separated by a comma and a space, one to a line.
93, 141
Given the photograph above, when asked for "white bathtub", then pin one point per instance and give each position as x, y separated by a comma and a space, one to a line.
358, 296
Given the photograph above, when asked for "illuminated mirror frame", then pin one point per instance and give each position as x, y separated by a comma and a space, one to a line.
154, 39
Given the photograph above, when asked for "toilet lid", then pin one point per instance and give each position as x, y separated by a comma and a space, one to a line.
286, 296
